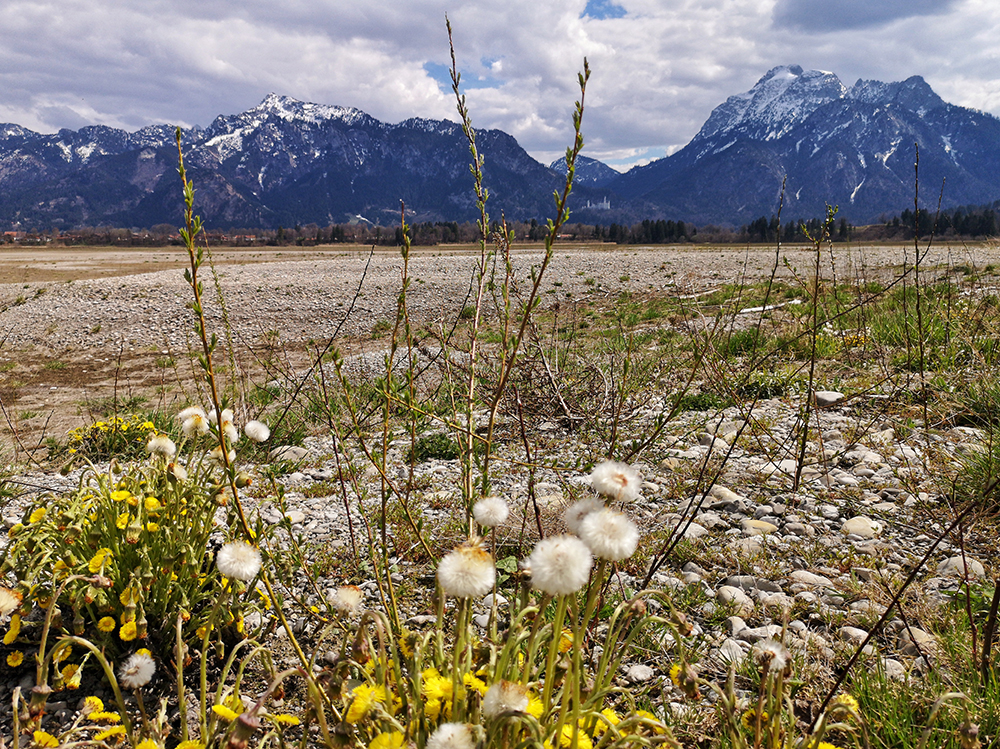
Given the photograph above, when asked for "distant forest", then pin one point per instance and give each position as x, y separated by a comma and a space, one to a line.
961, 223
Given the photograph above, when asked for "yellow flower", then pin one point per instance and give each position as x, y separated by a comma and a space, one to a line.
15, 659
435, 686
92, 705
15, 629
100, 558
612, 717
365, 697
127, 632
106, 624
121, 495
224, 712
284, 720
72, 675
535, 706
128, 597
846, 702
105, 717
565, 641
109, 732
582, 740
152, 527
37, 514
152, 504
62, 652
43, 738
191, 744
122, 522
393, 740
145, 651
675, 674
475, 683
660, 728
147, 744
749, 718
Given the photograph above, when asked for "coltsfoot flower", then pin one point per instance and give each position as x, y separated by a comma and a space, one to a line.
347, 598
137, 671
194, 422
238, 560
256, 431
467, 571
505, 697
616, 480
609, 534
451, 736
161, 445
560, 565
490, 511
577, 511
773, 655
9, 600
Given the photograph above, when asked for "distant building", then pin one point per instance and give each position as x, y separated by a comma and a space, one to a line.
604, 205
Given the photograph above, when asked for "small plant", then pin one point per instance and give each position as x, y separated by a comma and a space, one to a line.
433, 447
123, 437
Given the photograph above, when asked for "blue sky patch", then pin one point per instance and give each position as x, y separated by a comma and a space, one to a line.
599, 10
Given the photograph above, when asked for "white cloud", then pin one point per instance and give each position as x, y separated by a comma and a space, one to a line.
659, 66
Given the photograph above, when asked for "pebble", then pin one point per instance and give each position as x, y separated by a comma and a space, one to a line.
861, 526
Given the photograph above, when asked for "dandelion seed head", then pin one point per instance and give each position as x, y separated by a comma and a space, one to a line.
609, 534
616, 480
162, 446
227, 416
9, 600
216, 455
774, 655
467, 571
560, 565
238, 560
137, 670
577, 511
195, 425
505, 697
490, 511
451, 736
347, 598
190, 411
256, 431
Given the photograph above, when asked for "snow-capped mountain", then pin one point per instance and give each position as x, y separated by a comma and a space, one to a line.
852, 147
287, 162
282, 162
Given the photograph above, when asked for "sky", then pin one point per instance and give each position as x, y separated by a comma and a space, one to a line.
659, 67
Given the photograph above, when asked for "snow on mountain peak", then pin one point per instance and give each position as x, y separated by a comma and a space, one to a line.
780, 100
289, 109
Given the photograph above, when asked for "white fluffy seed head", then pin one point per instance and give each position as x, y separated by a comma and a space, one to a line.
347, 598
609, 534
137, 671
467, 571
227, 415
190, 411
161, 445
577, 511
216, 455
774, 655
231, 432
490, 511
238, 560
616, 480
195, 425
560, 565
452, 736
505, 697
256, 431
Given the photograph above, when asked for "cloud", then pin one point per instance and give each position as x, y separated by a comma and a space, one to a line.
659, 66
837, 15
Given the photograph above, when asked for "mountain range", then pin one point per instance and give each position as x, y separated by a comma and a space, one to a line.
288, 162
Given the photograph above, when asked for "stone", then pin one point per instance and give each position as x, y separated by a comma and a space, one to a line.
914, 641
754, 527
729, 594
695, 531
639, 673
293, 453
808, 578
853, 635
861, 525
826, 398
295, 516
954, 567
726, 495
731, 652
893, 669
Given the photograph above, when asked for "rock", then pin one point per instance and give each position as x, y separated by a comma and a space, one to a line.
954, 567
293, 453
861, 525
754, 527
695, 531
756, 634
729, 594
826, 398
295, 516
853, 635
808, 578
639, 673
731, 652
726, 495
893, 669
914, 641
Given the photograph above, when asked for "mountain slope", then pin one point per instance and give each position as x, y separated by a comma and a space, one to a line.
848, 147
